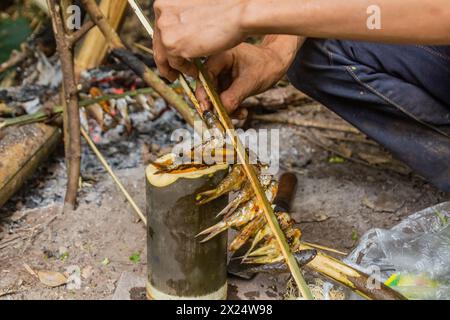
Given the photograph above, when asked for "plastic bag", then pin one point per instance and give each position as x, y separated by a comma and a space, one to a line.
412, 257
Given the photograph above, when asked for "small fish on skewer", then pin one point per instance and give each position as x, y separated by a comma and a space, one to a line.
245, 213
285, 221
270, 252
303, 258
232, 182
247, 232
243, 196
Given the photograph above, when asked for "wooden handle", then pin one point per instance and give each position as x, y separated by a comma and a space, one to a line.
286, 192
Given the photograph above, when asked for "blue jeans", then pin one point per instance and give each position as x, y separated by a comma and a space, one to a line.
399, 95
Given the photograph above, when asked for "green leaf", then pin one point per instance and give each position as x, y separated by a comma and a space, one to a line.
135, 258
12, 34
64, 256
336, 159
355, 235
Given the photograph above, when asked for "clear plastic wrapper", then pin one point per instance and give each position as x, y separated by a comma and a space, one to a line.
413, 257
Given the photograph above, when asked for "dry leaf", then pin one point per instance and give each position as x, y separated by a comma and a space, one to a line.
52, 279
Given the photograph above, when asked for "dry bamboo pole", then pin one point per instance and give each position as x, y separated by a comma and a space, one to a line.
249, 169
257, 188
22, 150
113, 175
94, 48
119, 50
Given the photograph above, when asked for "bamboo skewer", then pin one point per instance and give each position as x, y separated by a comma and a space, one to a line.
113, 175
249, 169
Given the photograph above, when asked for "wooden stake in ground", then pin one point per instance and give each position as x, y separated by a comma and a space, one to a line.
113, 176
73, 151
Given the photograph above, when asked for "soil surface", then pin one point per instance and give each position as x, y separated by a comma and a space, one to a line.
336, 202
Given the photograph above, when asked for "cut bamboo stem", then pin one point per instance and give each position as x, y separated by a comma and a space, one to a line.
22, 150
113, 176
350, 277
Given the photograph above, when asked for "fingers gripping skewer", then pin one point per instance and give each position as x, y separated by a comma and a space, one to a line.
243, 157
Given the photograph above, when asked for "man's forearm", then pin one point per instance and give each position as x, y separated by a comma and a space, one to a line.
413, 21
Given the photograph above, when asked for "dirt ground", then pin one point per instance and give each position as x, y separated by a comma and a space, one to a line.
336, 202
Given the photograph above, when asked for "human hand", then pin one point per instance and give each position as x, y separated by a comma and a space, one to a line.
191, 29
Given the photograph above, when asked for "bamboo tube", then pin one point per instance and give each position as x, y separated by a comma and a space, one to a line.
179, 266
22, 150
95, 47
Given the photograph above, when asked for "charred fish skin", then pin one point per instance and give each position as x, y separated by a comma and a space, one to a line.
303, 258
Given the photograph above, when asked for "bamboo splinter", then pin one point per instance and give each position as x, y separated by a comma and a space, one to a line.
249, 169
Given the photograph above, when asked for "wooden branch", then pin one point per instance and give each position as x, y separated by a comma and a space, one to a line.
105, 164
119, 51
70, 101
41, 116
350, 277
15, 58
77, 35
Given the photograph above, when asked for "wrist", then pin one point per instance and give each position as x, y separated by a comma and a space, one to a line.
252, 17
283, 49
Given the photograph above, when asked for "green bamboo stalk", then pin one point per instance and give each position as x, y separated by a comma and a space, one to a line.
41, 116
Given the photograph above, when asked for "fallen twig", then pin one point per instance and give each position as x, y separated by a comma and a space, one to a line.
16, 58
